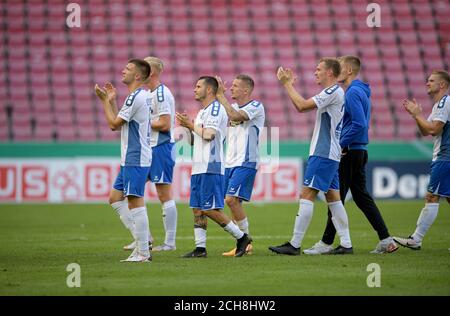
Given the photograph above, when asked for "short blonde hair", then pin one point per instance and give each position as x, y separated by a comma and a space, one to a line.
352, 61
248, 81
155, 63
443, 75
333, 64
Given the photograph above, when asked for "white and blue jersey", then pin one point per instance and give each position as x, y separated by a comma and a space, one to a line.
136, 132
162, 143
208, 156
163, 103
327, 130
441, 112
207, 180
440, 164
243, 137
325, 152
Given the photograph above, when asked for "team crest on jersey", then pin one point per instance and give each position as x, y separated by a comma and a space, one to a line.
212, 121
320, 99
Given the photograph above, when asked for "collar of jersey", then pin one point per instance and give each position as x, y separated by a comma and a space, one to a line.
245, 104
333, 86
215, 100
157, 87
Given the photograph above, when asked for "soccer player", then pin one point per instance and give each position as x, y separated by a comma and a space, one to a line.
246, 121
136, 154
438, 126
352, 173
207, 181
325, 153
163, 150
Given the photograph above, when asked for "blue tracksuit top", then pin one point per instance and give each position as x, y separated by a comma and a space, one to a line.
355, 124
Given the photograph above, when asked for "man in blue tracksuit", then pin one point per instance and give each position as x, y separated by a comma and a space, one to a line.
352, 174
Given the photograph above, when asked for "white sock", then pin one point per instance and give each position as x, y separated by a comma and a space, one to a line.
121, 208
340, 221
141, 229
243, 225
234, 230
200, 237
150, 237
170, 222
426, 219
302, 220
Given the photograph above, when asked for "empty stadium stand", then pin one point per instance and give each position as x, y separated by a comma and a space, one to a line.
49, 70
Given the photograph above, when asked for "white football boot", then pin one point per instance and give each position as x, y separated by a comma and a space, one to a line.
164, 247
408, 242
137, 256
320, 248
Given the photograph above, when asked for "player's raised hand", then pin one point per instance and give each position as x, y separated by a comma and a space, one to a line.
184, 120
101, 93
291, 75
111, 92
412, 107
221, 88
280, 73
285, 75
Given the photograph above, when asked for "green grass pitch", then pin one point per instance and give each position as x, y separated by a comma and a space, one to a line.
39, 241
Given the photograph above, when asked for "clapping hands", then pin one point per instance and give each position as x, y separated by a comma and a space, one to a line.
286, 75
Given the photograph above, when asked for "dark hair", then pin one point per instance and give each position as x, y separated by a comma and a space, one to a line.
211, 82
333, 64
352, 61
443, 75
248, 80
142, 66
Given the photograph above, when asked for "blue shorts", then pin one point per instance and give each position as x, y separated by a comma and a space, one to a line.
206, 191
239, 182
322, 174
440, 178
131, 180
163, 162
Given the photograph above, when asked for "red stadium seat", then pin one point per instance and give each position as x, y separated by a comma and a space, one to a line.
196, 37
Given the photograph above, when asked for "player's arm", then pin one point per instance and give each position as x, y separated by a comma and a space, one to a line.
287, 78
107, 95
426, 127
233, 115
162, 124
205, 133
